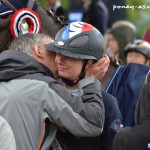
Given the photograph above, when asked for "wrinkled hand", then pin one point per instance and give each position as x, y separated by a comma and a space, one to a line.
98, 69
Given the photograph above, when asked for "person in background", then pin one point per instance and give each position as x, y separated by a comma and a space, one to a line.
74, 56
118, 36
115, 14
112, 44
95, 13
125, 84
137, 137
138, 51
34, 104
56, 6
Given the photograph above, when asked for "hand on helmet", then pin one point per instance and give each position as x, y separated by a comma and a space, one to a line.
98, 69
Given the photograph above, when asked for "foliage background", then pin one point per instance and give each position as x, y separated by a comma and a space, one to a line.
140, 17
65, 3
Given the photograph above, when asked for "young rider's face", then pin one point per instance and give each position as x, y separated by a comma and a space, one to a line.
68, 67
135, 57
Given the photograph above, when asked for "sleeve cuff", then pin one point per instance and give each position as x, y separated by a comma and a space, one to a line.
86, 81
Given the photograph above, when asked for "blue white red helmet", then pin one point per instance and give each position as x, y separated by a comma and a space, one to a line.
78, 40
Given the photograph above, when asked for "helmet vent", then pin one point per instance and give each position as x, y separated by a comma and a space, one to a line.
79, 41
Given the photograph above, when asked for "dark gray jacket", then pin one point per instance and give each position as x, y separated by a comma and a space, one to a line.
33, 102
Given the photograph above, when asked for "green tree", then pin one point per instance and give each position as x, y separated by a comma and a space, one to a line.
65, 3
42, 3
140, 15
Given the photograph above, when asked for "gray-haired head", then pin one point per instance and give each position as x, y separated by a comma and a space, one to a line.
25, 43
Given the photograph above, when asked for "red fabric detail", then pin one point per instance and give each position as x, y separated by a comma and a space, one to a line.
146, 36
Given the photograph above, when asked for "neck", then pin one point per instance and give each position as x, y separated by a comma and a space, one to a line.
67, 86
71, 87
108, 76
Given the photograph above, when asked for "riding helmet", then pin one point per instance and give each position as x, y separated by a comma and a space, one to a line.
139, 46
78, 40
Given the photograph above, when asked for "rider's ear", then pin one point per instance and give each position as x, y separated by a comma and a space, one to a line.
89, 63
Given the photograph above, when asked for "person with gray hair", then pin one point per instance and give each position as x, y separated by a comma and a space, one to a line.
28, 45
35, 105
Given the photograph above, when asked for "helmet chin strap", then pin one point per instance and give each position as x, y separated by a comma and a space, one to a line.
81, 76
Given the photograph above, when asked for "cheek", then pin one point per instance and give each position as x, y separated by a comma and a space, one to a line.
128, 59
50, 59
72, 72
115, 46
141, 60
76, 70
